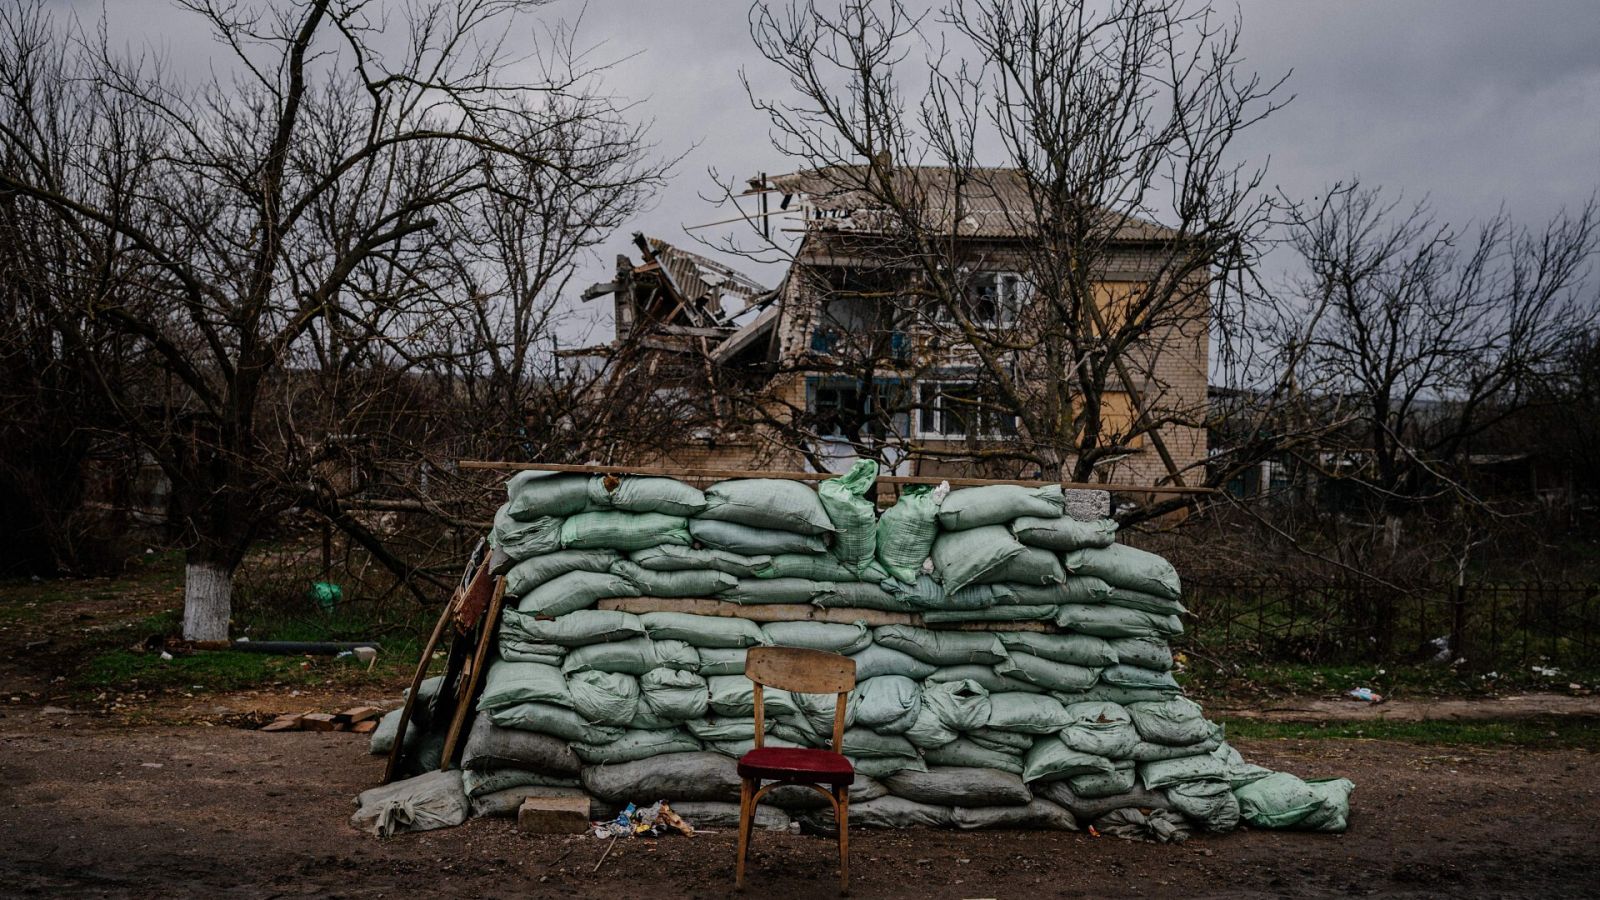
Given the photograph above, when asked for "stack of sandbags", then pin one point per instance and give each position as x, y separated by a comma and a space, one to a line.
1041, 725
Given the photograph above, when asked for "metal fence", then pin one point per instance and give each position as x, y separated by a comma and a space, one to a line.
1335, 622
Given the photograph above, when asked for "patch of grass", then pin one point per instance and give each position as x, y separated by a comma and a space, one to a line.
1224, 681
126, 670
1546, 733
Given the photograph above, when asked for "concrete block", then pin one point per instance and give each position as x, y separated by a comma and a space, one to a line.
1086, 505
554, 815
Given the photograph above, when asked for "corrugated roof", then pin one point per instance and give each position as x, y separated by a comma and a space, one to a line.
704, 282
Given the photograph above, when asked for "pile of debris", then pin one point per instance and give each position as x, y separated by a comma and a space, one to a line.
1011, 659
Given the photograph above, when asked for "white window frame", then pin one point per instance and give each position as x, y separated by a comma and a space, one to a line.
1012, 292
937, 387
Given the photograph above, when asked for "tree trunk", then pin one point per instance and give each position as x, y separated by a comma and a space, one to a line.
207, 597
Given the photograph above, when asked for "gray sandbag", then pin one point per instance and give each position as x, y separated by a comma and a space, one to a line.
1281, 800
504, 804
928, 594
985, 676
673, 777
1178, 722
942, 648
1032, 566
491, 747
1050, 675
521, 540
1036, 815
896, 812
429, 801
1119, 780
1146, 653
1087, 809
1167, 772
834, 637
756, 591
1116, 622
854, 518
961, 558
1139, 678
1158, 826
1146, 751
514, 650
863, 743
511, 683
644, 494
680, 583
557, 721
1238, 773
1063, 533
863, 595
1126, 567
928, 731
1026, 713
1074, 649
722, 660
604, 698
534, 571
739, 748
906, 531
635, 744
887, 704
677, 558
532, 494
615, 530
674, 695
993, 614
817, 712
1015, 743
806, 566
725, 816
1049, 760
1103, 729
993, 504
959, 705
960, 786
1143, 602
703, 631
632, 657
575, 629
1209, 804
767, 503
382, 740
478, 784
718, 729
876, 659
744, 540
966, 753
574, 591
1107, 693
886, 766
735, 696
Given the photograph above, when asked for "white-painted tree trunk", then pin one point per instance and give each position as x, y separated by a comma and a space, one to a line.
207, 601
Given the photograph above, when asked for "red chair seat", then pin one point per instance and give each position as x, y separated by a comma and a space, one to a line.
797, 764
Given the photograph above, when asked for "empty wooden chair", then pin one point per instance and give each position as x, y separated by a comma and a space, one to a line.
827, 772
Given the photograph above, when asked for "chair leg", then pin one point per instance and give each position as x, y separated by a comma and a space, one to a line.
746, 817
841, 812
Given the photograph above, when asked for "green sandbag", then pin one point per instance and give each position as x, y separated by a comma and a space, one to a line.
533, 494
635, 744
727, 728
1077, 649
1051, 760
1031, 566
613, 530
1209, 804
1238, 772
534, 571
1063, 533
986, 676
677, 558
574, 591
1015, 743
744, 540
1164, 772
756, 591
513, 650
1102, 729
1143, 602
604, 698
1178, 722
808, 566
928, 731
767, 503
960, 705
521, 540
634, 657
864, 743
942, 648
817, 712
673, 694
927, 593
641, 494
882, 768
994, 504
854, 518
734, 696
1281, 800
575, 629
968, 786
906, 531
961, 558
1126, 567
887, 704
478, 783
877, 660
736, 749
1146, 653
556, 721
1048, 674
1108, 693
1145, 751
1026, 713
722, 661
1095, 785
993, 614
703, 631
509, 683
963, 752
682, 583
1138, 678
830, 636
863, 595
1116, 622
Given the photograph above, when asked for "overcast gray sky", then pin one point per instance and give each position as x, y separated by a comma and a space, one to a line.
1476, 103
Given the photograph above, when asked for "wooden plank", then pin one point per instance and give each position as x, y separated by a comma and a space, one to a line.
357, 714
391, 768
720, 474
800, 670
474, 676
318, 722
800, 612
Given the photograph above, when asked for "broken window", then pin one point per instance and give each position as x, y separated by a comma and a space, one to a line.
958, 409
993, 299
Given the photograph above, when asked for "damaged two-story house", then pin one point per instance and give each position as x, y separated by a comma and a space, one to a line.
931, 348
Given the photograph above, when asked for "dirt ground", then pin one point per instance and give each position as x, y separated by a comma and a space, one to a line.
193, 810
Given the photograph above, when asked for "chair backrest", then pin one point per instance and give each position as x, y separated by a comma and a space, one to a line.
801, 671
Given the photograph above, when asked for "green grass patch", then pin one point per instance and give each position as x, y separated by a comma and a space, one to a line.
1223, 681
1546, 733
